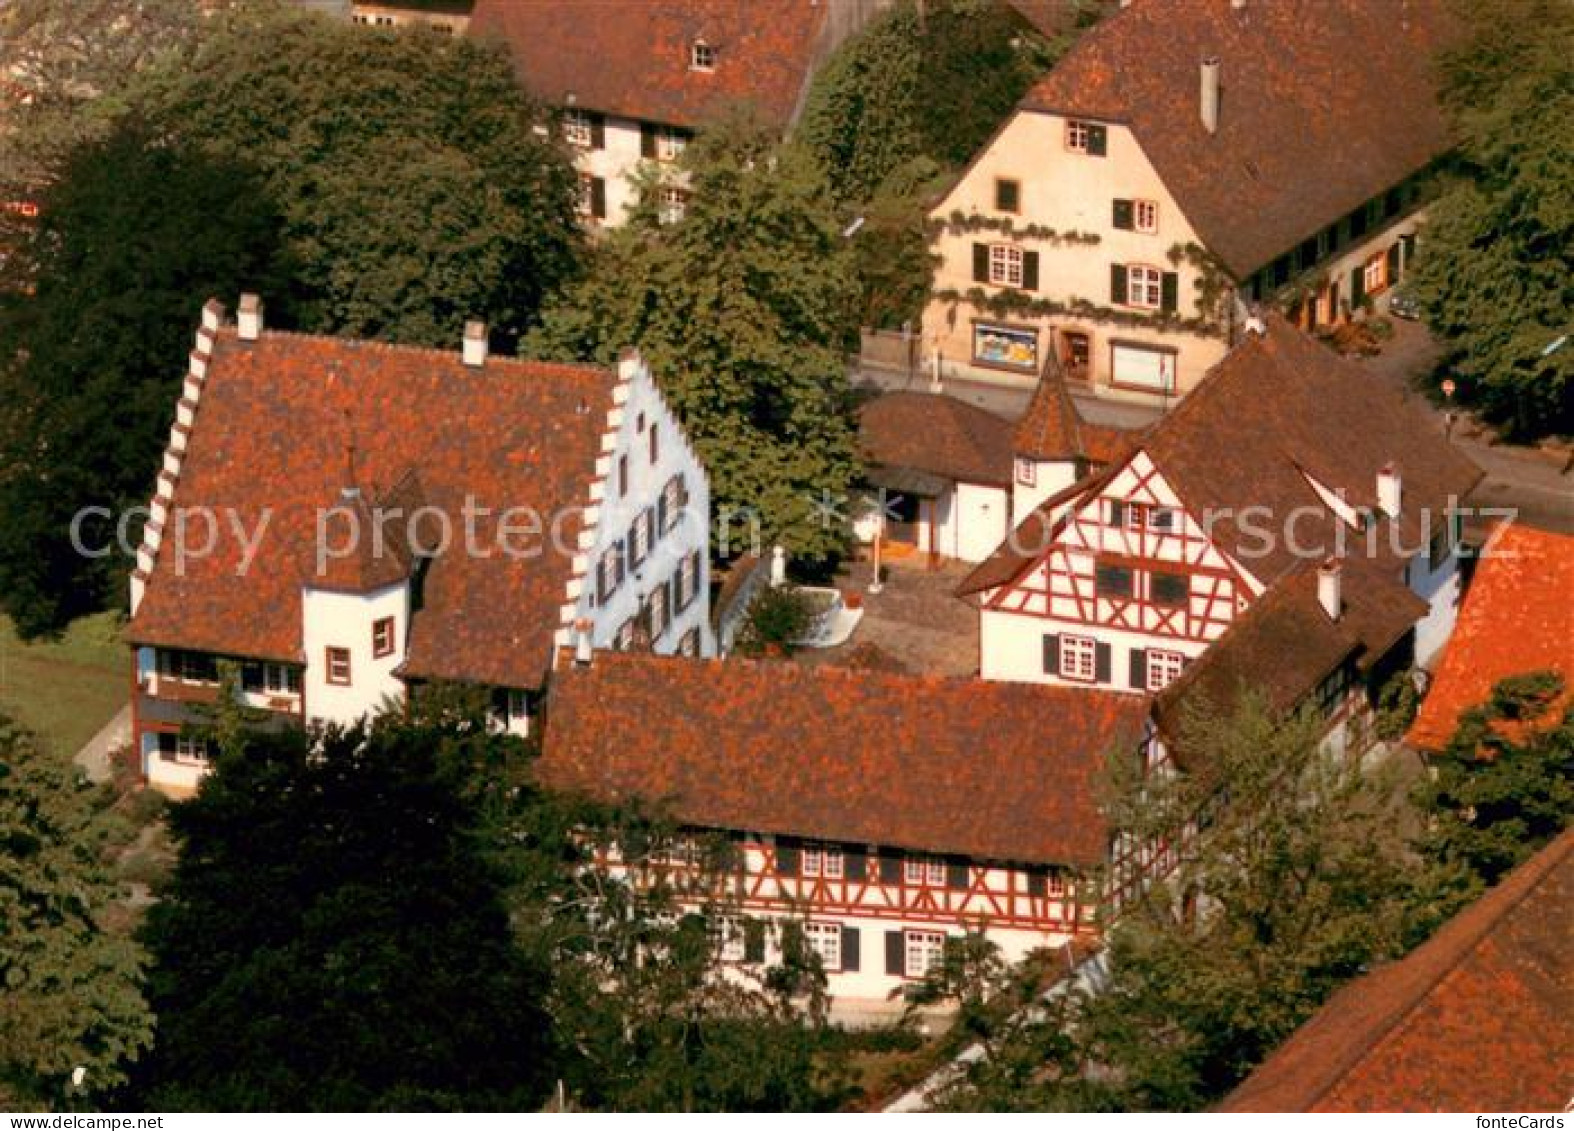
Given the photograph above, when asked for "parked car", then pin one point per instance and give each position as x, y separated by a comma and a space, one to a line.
1404, 304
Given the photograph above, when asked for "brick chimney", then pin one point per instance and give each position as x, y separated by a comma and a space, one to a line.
1208, 72
248, 318
474, 351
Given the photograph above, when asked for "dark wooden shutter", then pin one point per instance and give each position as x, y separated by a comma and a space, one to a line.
855, 864
792, 941
1101, 663
1139, 669
1117, 284
754, 941
1169, 292
980, 263
1393, 263
647, 140
956, 875
1052, 653
1037, 883
786, 858
1357, 288
852, 948
251, 677
1124, 215
890, 869
894, 954
1030, 270
598, 131
1098, 140
166, 747
598, 198
1117, 512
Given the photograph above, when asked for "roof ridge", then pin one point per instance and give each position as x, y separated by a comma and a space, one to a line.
1530, 874
378, 344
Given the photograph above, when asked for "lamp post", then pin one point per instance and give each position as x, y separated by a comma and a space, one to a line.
1448, 414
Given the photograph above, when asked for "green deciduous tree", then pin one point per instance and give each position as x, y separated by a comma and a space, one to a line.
70, 992
744, 310
97, 310
1504, 785
1496, 273
334, 936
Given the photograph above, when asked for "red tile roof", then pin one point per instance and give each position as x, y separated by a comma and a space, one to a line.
1325, 104
1002, 771
271, 433
1478, 1018
631, 57
1051, 428
1518, 617
934, 433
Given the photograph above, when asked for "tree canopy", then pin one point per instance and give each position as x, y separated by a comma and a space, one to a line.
744, 310
72, 995
1496, 270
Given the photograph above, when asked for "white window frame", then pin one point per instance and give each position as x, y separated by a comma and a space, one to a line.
687, 581
660, 612
689, 643
1078, 658
672, 204
329, 665
516, 704
702, 56
670, 143
729, 935
923, 871
672, 498
578, 129
1027, 472
1374, 274
1164, 667
1144, 286
922, 951
276, 680
639, 539
190, 751
1077, 134
825, 939
1145, 216
822, 862
1005, 265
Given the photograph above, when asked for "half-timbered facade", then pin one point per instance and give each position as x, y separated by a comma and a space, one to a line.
341, 521
1285, 457
1182, 162
877, 815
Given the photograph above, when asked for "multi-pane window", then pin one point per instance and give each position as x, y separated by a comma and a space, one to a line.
656, 605
1145, 215
1144, 286
189, 667
923, 951
183, 748
674, 497
673, 203
281, 679
825, 940
728, 935
1077, 135
1005, 265
382, 637
923, 870
687, 581
1079, 658
1374, 274
1163, 668
577, 128
625, 637
702, 56
609, 571
689, 644
338, 664
825, 863
639, 539
670, 143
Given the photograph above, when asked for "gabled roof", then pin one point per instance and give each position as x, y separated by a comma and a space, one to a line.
1325, 104
937, 434
273, 424
631, 57
1051, 428
1478, 1018
1279, 411
1518, 617
1001, 771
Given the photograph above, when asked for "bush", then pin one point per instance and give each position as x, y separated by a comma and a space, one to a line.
777, 618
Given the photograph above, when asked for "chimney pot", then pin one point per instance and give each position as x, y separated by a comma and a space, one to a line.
1209, 75
1329, 587
1390, 490
582, 643
474, 351
248, 318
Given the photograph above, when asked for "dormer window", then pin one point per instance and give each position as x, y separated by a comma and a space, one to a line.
702, 56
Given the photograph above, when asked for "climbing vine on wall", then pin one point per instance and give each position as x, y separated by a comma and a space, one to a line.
1019, 304
960, 223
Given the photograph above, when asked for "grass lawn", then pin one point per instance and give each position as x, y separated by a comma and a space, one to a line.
65, 689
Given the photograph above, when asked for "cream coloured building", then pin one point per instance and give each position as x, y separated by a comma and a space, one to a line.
1179, 166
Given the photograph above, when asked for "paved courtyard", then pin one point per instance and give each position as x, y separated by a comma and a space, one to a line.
914, 623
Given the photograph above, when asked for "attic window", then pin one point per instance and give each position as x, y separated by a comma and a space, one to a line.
702, 56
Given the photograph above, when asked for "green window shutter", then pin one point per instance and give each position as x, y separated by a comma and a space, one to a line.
647, 140
1101, 663
856, 864
980, 263
895, 954
598, 198
1098, 141
1124, 217
1169, 292
890, 869
792, 941
1052, 653
1139, 669
754, 941
956, 875
852, 947
1117, 284
1357, 288
1030, 270
598, 131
